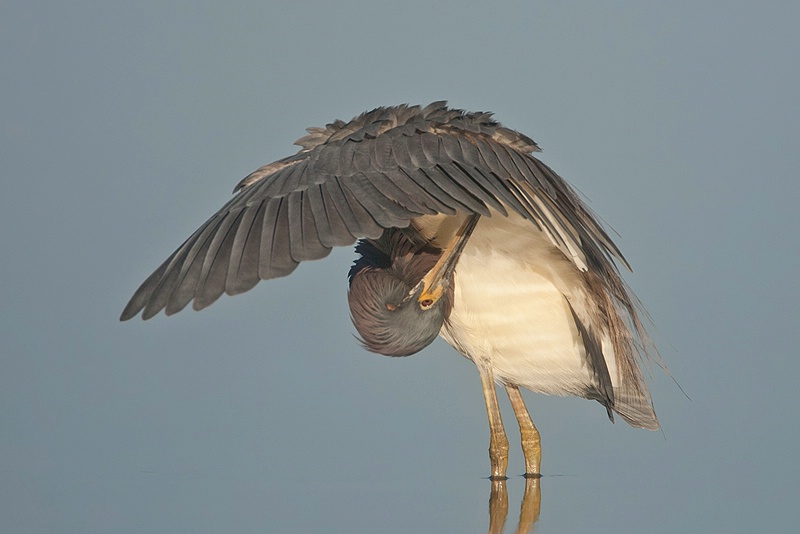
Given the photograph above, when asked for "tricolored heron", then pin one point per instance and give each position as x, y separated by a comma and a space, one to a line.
464, 234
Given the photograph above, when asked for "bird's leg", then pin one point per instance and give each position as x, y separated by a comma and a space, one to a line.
531, 442
498, 442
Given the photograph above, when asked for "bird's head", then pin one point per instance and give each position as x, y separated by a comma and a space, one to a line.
396, 319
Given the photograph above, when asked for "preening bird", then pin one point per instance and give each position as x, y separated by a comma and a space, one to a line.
463, 234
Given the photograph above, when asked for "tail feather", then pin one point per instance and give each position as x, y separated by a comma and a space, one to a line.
635, 407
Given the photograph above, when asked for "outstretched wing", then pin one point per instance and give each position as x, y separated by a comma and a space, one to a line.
355, 179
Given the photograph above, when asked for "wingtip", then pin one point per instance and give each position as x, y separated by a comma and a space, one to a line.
129, 313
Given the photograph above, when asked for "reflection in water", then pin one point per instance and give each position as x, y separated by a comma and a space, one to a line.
529, 509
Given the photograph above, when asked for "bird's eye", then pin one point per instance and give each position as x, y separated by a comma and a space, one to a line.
425, 304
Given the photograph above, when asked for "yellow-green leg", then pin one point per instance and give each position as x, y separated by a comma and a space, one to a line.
531, 441
498, 442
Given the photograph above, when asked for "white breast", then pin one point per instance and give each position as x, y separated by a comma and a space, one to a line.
511, 309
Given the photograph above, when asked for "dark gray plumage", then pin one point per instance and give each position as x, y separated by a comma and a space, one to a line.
307, 203
414, 183
384, 292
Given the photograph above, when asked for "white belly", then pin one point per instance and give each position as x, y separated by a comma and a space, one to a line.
511, 310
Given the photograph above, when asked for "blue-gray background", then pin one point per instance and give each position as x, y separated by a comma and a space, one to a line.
123, 125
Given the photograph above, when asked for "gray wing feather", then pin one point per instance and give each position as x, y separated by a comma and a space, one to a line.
636, 407
381, 154
470, 152
179, 285
327, 161
531, 177
385, 211
489, 156
336, 200
215, 265
505, 161
390, 190
243, 269
313, 249
354, 179
275, 259
457, 191
304, 242
416, 152
432, 149
314, 208
451, 147
367, 225
488, 194
499, 189
362, 157
419, 177
401, 152
347, 153
603, 390
340, 235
